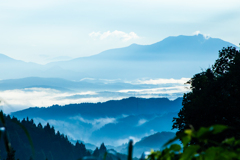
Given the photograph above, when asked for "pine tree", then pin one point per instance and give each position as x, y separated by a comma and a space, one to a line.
39, 125
96, 152
102, 149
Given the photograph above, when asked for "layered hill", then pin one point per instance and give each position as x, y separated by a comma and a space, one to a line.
66, 85
112, 122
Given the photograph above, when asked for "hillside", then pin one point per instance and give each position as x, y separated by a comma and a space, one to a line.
151, 142
112, 108
112, 122
173, 57
47, 143
156, 140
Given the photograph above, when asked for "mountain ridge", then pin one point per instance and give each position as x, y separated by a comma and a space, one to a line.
112, 108
173, 57
112, 122
162, 43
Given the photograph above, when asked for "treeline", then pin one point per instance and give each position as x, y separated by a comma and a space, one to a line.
47, 143
112, 108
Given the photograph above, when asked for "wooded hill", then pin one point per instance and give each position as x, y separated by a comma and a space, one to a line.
47, 144
112, 108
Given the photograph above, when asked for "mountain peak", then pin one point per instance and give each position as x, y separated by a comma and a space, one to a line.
202, 36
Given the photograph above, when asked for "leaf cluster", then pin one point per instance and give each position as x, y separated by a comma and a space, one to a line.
229, 149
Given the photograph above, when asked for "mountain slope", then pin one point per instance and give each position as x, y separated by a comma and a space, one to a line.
168, 49
11, 68
173, 57
134, 125
47, 144
111, 122
156, 140
147, 143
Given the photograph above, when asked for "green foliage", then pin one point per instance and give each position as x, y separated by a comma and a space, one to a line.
214, 97
229, 149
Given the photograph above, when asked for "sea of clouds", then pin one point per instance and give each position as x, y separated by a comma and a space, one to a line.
18, 99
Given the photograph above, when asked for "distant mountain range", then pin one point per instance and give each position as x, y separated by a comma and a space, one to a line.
111, 122
67, 85
114, 122
173, 57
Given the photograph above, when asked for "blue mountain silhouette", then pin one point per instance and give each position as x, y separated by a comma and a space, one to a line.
173, 57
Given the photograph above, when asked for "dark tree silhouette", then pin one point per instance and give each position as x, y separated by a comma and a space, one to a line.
214, 97
46, 143
96, 152
11, 155
102, 149
39, 125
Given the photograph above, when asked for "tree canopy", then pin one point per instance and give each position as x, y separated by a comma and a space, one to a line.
46, 144
214, 97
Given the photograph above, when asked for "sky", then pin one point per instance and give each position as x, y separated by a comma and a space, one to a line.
51, 30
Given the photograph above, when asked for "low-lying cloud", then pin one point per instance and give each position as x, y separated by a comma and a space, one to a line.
77, 127
115, 34
163, 81
96, 123
162, 90
17, 99
74, 131
40, 97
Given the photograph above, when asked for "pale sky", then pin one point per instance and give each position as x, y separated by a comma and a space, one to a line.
47, 30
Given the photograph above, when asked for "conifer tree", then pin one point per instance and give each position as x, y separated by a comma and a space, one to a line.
96, 152
102, 149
